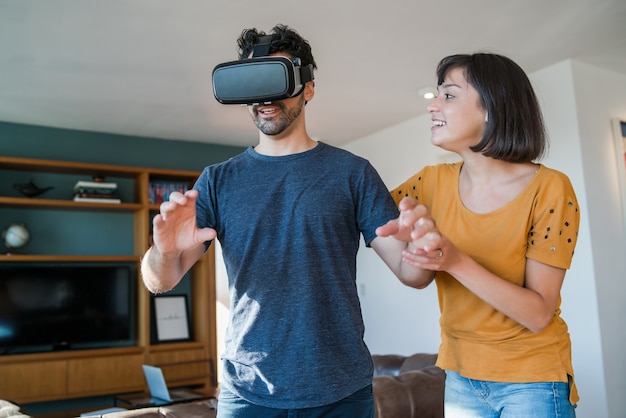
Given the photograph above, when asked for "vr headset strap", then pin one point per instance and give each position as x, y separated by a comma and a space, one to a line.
306, 73
262, 47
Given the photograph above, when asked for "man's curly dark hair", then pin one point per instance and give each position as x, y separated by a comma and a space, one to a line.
284, 39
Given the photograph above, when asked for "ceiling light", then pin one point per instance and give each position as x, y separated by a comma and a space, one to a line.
428, 92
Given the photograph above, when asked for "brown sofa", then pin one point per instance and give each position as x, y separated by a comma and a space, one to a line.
197, 409
404, 387
408, 387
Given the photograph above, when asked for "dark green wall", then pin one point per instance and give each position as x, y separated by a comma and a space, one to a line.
29, 141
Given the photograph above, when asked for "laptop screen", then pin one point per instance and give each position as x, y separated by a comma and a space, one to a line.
156, 383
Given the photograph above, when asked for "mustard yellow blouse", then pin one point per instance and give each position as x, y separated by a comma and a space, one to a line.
542, 224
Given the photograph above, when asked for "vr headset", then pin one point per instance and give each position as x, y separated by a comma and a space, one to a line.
260, 79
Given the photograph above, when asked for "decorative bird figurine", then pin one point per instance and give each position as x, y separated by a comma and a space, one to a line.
30, 189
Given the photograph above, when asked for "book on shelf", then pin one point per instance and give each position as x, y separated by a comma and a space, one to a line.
159, 191
96, 192
94, 185
96, 199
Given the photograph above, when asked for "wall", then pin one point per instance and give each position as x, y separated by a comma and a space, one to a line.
578, 102
17, 140
398, 319
601, 95
556, 90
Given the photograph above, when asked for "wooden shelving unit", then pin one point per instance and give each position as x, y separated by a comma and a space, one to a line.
36, 377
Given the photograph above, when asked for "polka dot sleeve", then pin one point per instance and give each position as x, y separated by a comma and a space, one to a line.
411, 187
555, 222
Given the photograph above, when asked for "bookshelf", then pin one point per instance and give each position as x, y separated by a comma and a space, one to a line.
37, 377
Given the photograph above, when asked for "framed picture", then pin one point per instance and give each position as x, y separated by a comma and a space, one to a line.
170, 318
619, 132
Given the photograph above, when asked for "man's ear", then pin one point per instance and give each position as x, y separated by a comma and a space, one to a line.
309, 90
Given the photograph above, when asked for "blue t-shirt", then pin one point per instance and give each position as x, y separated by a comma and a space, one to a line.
290, 229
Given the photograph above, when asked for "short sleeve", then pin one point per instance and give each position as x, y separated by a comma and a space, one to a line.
411, 187
375, 208
556, 218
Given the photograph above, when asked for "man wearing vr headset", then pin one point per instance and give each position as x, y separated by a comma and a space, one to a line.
289, 214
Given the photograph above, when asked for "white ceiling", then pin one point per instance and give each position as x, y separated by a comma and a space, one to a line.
143, 67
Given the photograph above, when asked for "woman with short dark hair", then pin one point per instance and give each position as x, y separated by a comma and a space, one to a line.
498, 231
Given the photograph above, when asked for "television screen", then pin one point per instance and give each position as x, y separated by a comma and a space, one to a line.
52, 307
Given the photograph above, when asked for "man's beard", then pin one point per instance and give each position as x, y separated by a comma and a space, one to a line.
277, 124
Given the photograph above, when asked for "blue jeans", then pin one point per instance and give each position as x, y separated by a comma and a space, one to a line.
469, 398
358, 405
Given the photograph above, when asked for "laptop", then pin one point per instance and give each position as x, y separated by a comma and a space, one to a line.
159, 394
